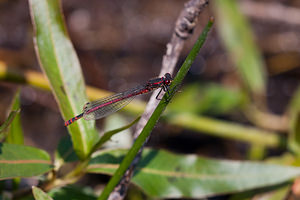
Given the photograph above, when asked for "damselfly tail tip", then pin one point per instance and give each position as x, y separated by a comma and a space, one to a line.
67, 123
70, 121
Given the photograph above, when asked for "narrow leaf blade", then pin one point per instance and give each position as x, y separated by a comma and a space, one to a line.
8, 121
15, 132
106, 136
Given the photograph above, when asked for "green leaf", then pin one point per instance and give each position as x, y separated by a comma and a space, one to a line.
294, 112
22, 161
15, 132
61, 66
239, 42
207, 99
40, 194
166, 175
72, 192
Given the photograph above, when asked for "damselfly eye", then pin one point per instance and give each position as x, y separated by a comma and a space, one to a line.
168, 76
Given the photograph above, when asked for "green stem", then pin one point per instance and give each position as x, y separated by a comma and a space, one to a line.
155, 116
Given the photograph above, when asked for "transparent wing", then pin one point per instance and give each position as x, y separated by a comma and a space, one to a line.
108, 105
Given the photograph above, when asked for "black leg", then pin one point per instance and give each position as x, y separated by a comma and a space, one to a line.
158, 94
165, 89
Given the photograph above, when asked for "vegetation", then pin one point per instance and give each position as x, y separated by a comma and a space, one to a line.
238, 114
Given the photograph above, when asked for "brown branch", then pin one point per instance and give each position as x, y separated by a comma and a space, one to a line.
184, 28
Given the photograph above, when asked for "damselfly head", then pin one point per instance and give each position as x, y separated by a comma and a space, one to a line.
168, 79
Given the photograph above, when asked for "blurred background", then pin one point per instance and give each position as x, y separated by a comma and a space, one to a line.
121, 44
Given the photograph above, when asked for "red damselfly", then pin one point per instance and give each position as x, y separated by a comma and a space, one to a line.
108, 105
